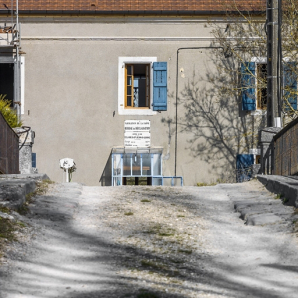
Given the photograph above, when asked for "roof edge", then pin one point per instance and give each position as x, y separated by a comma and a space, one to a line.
134, 12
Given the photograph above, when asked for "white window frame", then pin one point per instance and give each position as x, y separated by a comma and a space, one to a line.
22, 82
122, 61
258, 60
4, 59
261, 60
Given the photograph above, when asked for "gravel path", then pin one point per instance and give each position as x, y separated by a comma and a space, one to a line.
149, 242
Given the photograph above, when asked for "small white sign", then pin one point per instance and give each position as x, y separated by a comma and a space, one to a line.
255, 151
137, 133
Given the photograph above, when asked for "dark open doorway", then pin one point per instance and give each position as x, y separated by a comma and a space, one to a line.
7, 80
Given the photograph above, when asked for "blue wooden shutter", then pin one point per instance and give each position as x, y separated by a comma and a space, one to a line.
244, 161
290, 84
33, 160
248, 86
244, 164
159, 86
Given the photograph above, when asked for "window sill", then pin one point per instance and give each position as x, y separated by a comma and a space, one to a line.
136, 111
258, 112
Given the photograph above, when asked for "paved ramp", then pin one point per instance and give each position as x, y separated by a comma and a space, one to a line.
151, 242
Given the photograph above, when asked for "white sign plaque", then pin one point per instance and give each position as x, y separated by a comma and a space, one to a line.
255, 151
137, 133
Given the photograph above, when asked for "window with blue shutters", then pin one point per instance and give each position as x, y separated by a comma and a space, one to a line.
142, 86
290, 85
254, 85
248, 85
159, 86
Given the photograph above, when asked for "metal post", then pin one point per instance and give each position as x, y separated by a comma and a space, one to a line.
273, 115
112, 167
67, 175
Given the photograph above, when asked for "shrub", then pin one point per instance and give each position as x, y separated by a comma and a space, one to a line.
8, 113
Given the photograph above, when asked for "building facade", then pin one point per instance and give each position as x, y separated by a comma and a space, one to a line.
105, 82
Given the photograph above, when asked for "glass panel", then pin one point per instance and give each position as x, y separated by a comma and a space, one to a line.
117, 181
129, 101
156, 164
136, 165
129, 80
126, 165
147, 86
156, 181
128, 90
117, 165
136, 92
146, 164
106, 177
129, 69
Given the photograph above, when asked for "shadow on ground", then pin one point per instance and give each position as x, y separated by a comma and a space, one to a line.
87, 265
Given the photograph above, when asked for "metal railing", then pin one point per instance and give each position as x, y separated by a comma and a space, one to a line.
286, 150
9, 149
172, 180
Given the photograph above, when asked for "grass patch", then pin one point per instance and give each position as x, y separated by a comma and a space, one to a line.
21, 224
154, 229
23, 210
128, 213
175, 261
185, 251
285, 200
163, 234
145, 201
154, 265
7, 229
41, 189
200, 184
180, 215
160, 231
278, 196
5, 210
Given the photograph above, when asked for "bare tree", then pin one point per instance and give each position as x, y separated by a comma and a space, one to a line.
223, 117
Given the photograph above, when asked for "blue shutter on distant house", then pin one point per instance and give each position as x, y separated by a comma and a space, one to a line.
244, 164
290, 84
248, 86
33, 160
244, 161
159, 86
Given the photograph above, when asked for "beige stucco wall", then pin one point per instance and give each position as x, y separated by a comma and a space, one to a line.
71, 91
